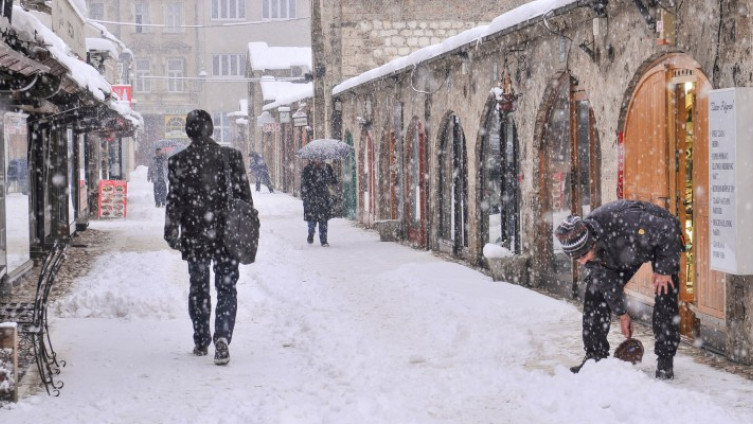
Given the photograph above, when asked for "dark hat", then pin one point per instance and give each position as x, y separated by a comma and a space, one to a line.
630, 350
199, 124
574, 236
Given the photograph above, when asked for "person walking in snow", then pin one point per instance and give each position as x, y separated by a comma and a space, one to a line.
197, 196
612, 242
260, 171
157, 174
315, 180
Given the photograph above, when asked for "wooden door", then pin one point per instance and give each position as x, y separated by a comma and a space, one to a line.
666, 163
646, 157
415, 175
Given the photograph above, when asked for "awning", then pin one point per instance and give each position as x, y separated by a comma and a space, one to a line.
17, 63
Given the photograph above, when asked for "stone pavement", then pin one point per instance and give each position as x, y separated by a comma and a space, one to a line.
79, 258
89, 244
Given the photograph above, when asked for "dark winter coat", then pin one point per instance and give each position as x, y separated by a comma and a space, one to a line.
198, 195
258, 166
157, 171
628, 234
315, 191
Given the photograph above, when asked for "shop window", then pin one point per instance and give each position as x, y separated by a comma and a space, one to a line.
453, 176
499, 197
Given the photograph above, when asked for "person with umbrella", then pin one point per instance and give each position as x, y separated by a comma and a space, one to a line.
315, 180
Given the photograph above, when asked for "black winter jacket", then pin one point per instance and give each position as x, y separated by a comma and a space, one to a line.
198, 195
315, 191
628, 234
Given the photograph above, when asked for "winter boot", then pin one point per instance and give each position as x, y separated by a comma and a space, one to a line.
576, 369
221, 352
310, 238
665, 369
200, 350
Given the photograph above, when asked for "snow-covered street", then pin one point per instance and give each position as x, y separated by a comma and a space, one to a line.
360, 332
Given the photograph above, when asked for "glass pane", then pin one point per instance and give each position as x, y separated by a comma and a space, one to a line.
15, 133
275, 9
583, 132
292, 9
491, 203
215, 9
415, 188
558, 137
265, 9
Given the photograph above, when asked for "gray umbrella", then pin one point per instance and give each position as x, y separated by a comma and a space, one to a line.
324, 148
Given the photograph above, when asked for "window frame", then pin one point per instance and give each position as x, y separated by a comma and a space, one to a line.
223, 63
227, 10
175, 76
142, 84
278, 10
93, 6
174, 18
141, 17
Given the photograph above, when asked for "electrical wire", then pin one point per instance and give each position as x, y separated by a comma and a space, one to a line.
226, 24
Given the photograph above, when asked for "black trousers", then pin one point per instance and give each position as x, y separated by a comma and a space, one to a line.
263, 179
200, 300
160, 192
597, 319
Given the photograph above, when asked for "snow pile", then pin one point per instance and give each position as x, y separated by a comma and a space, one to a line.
496, 251
104, 293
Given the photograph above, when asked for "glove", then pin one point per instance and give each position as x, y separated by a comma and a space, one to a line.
174, 243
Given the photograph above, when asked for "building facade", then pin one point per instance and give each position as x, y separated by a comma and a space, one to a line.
483, 142
192, 54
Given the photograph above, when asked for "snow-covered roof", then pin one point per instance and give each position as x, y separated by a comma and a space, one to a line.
242, 109
31, 29
104, 33
102, 45
261, 56
295, 93
273, 90
519, 15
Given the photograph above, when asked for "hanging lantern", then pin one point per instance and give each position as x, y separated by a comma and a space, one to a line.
505, 94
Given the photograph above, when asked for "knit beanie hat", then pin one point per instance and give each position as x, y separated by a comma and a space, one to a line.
574, 236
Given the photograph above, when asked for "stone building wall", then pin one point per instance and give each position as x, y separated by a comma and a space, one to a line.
713, 34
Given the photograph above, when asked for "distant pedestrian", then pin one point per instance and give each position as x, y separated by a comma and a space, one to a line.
157, 174
197, 197
613, 242
316, 178
260, 171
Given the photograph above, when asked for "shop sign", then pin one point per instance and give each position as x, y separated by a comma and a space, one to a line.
731, 179
300, 119
175, 126
125, 93
113, 199
270, 127
284, 114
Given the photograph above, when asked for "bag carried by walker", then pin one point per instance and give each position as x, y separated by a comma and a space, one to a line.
241, 232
